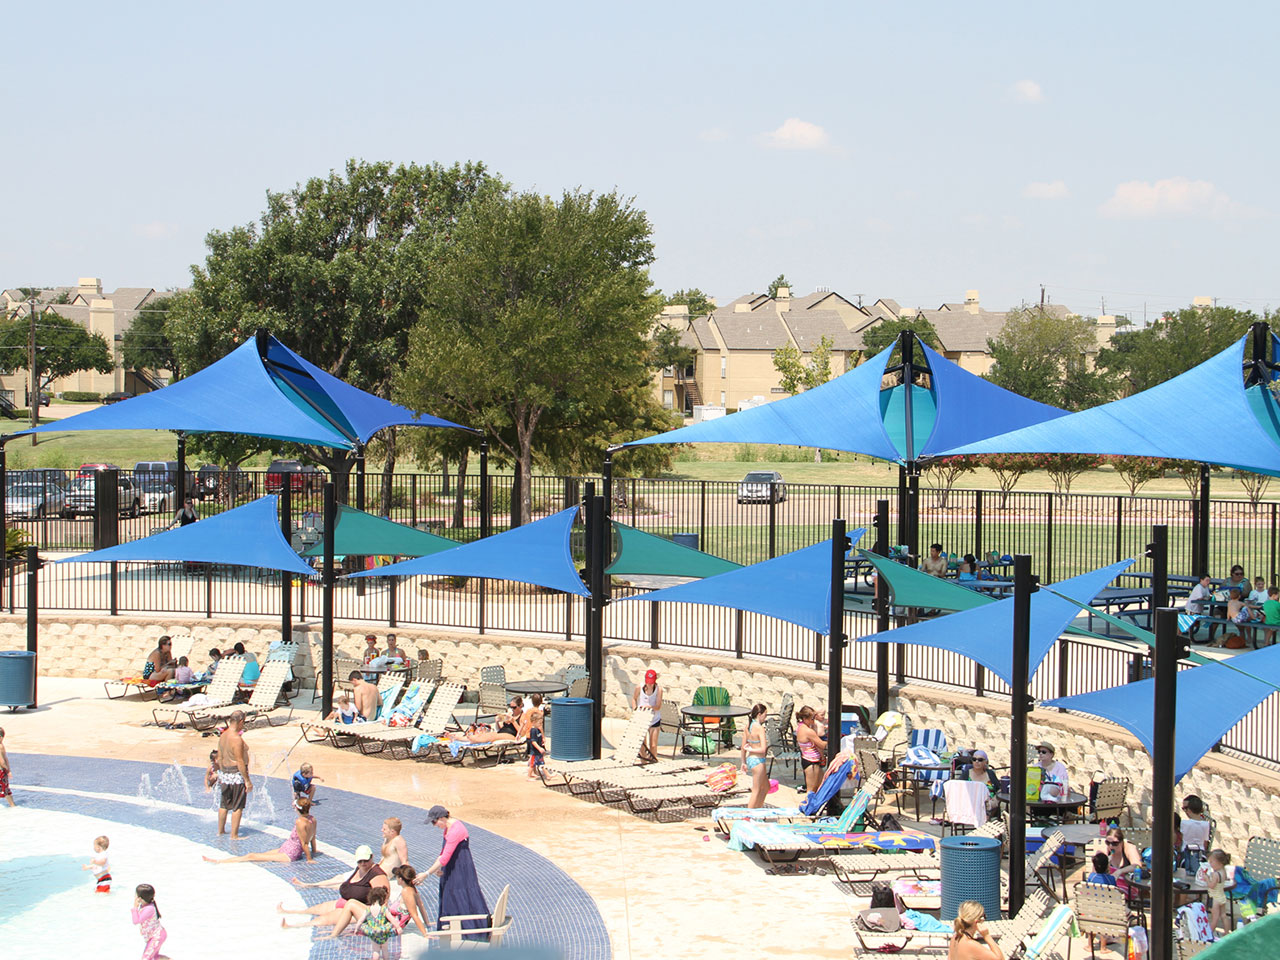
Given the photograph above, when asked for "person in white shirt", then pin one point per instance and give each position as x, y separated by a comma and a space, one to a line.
1201, 592
1195, 825
1258, 595
1053, 779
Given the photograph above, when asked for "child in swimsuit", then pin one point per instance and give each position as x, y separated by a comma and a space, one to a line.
146, 915
5, 792
99, 865
378, 923
537, 747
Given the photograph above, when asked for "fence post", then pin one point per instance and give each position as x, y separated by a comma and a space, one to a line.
702, 515
114, 588
653, 625
979, 678
483, 591
1064, 670
568, 617
208, 585
392, 583
1048, 542
739, 617
901, 665
977, 523
773, 521
1119, 529
413, 499
1272, 579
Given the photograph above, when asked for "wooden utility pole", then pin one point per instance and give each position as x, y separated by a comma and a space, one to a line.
33, 381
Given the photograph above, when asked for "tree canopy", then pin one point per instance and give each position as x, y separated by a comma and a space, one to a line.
1181, 339
146, 344
63, 347
796, 374
699, 303
338, 267
781, 281
1045, 358
537, 328
879, 336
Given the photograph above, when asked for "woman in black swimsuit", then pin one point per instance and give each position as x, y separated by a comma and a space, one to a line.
363, 878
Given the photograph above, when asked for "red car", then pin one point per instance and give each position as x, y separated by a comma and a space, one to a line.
302, 477
89, 469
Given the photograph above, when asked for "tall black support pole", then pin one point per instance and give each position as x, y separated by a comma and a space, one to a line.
4, 532
606, 471
596, 522
902, 506
1158, 551
286, 578
33, 617
907, 350
1202, 561
882, 610
837, 642
1169, 650
326, 609
484, 490
180, 481
361, 582
1020, 706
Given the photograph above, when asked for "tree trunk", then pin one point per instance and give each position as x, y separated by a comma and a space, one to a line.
388, 470
460, 494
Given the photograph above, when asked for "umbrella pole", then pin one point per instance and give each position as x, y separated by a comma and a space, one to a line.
286, 578
4, 531
1169, 650
595, 618
1202, 561
1020, 706
33, 615
882, 611
835, 655
326, 616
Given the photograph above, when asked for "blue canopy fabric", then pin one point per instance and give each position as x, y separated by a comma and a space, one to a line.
247, 536
854, 412
1203, 415
1212, 699
248, 394
984, 634
537, 553
795, 587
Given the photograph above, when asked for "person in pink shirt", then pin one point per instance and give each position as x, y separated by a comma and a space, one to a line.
146, 915
460, 893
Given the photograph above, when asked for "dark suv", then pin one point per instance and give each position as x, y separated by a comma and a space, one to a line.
211, 476
302, 477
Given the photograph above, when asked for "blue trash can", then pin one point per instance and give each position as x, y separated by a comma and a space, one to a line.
570, 728
970, 871
689, 540
17, 678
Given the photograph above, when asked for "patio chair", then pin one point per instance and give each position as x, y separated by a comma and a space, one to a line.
575, 671
778, 747
1040, 866
263, 702
401, 724
1101, 911
286, 652
934, 741
724, 817
964, 805
452, 931
1110, 800
428, 671
220, 692
579, 687
492, 700
1034, 909
495, 673
713, 729
1261, 862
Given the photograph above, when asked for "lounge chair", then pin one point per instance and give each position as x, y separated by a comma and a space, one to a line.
582, 776
264, 701
452, 931
1101, 911
339, 734
221, 692
725, 816
1011, 932
181, 647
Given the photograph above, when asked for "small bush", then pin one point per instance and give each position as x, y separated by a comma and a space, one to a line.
685, 454
81, 396
16, 542
501, 500
745, 453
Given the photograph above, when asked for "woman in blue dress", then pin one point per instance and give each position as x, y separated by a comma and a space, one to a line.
459, 888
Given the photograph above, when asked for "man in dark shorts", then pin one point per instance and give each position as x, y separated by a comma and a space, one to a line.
233, 774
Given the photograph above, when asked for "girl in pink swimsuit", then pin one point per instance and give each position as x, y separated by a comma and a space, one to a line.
146, 915
301, 841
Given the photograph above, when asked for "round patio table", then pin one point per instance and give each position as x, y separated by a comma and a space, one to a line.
528, 687
1071, 804
1077, 834
698, 715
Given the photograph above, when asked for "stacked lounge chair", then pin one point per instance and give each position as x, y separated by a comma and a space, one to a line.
437, 703
263, 702
806, 814
339, 734
221, 692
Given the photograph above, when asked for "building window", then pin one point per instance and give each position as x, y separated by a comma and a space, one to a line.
724, 367
668, 398
722, 398
668, 371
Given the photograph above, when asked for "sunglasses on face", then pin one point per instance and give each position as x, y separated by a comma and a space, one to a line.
1045, 753
1113, 843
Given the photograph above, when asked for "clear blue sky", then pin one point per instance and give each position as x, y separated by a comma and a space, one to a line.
909, 150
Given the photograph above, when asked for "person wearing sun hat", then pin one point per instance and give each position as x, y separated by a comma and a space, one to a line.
1054, 778
648, 696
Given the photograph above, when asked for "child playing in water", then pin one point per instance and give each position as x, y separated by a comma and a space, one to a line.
211, 774
99, 865
378, 923
302, 786
146, 915
4, 771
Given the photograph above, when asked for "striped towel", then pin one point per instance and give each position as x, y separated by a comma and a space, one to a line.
1186, 621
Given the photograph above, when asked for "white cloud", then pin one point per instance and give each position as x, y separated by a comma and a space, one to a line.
1173, 197
1050, 190
797, 134
155, 230
713, 135
1028, 91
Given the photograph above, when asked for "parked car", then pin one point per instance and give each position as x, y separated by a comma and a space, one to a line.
157, 494
211, 477
167, 470
42, 476
116, 397
759, 486
32, 500
89, 469
302, 476
81, 497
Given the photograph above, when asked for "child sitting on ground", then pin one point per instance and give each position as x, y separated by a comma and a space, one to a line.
1101, 870
302, 785
99, 865
378, 924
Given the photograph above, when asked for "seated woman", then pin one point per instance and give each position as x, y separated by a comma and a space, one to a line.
300, 843
481, 733
1124, 858
160, 666
971, 939
406, 907
355, 886
980, 770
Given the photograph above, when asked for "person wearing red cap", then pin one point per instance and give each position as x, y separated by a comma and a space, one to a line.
649, 697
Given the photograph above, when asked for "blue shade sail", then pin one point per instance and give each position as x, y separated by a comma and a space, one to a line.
537, 553
247, 536
795, 587
282, 398
853, 413
985, 634
1211, 699
1202, 415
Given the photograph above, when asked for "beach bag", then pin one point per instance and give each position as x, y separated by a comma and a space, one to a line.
722, 778
1035, 776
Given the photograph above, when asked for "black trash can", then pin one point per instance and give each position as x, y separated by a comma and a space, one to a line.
17, 678
689, 540
570, 728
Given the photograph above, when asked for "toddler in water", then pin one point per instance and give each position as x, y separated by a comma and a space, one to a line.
302, 786
146, 915
378, 924
211, 774
5, 791
99, 865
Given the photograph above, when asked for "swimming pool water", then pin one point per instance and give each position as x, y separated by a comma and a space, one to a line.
48, 904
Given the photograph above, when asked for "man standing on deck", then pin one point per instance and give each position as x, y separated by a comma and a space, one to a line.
233, 774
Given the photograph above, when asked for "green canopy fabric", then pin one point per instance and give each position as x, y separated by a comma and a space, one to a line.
363, 535
647, 554
914, 588
1257, 941
1128, 626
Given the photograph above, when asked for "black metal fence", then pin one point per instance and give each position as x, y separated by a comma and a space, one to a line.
1065, 535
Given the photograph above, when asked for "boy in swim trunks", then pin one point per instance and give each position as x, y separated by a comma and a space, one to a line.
302, 785
99, 865
4, 772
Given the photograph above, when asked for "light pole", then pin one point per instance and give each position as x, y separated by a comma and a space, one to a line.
33, 381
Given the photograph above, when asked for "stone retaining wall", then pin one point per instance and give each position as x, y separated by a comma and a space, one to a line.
1242, 795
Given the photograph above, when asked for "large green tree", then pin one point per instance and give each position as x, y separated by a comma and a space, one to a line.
146, 345
699, 303
63, 348
1044, 357
338, 267
1141, 358
879, 336
538, 320
796, 374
